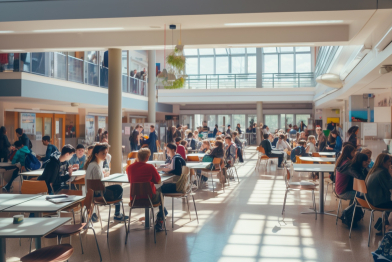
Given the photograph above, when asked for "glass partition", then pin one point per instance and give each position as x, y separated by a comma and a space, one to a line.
75, 66
41, 63
60, 65
91, 68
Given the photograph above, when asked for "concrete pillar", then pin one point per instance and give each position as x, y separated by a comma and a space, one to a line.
2, 114
82, 122
114, 108
151, 117
260, 119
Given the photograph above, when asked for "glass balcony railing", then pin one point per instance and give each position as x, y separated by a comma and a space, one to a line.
224, 81
65, 67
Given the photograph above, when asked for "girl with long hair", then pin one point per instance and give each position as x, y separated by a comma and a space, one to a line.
334, 142
352, 135
93, 167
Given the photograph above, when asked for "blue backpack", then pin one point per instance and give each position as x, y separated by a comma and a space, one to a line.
31, 162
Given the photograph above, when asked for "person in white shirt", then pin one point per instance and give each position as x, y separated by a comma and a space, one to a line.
282, 143
311, 145
94, 171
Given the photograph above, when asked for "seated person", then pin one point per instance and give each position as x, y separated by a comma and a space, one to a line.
89, 151
174, 166
298, 151
180, 148
141, 172
275, 140
50, 149
334, 142
266, 144
282, 144
216, 152
311, 145
77, 161
94, 171
368, 152
191, 141
379, 182
292, 130
205, 146
55, 170
19, 157
185, 145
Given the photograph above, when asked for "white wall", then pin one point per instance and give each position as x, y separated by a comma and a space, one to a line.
382, 114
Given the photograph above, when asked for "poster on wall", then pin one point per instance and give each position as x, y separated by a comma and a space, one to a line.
90, 132
102, 122
27, 123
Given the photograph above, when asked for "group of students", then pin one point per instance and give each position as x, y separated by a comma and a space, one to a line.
137, 140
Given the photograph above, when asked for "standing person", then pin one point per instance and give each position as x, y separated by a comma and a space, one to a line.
178, 131
133, 138
352, 135
239, 129
216, 130
321, 139
4, 144
151, 141
302, 126
94, 172
77, 161
228, 131
50, 149
205, 127
55, 172
171, 134
238, 143
98, 137
22, 137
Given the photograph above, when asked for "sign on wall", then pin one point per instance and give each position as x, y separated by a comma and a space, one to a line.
27, 123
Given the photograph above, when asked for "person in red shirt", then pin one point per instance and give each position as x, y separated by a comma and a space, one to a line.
141, 172
180, 148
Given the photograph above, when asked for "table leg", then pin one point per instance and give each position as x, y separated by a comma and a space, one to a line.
147, 218
37, 243
2, 250
321, 194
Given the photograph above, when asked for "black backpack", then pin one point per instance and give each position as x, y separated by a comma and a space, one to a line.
347, 215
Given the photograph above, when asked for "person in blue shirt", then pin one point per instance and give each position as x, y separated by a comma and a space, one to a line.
50, 149
292, 130
334, 142
298, 151
79, 159
152, 142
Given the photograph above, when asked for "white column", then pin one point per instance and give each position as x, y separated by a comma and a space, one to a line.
259, 112
115, 112
151, 87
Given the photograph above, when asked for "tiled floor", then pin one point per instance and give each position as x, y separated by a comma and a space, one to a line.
243, 224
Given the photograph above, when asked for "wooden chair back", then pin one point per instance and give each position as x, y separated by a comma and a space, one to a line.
132, 155
192, 158
70, 192
95, 185
261, 150
316, 155
140, 190
89, 203
34, 187
298, 160
360, 186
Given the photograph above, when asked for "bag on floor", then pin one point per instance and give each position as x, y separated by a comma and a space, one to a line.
347, 215
384, 251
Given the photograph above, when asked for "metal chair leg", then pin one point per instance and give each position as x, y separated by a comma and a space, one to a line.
370, 226
189, 212
107, 233
284, 202
81, 244
213, 188
172, 212
326, 193
99, 215
337, 215
352, 219
155, 230
129, 223
96, 241
194, 203
125, 221
73, 215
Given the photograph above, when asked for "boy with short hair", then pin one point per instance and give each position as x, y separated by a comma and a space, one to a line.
55, 171
50, 149
79, 158
300, 150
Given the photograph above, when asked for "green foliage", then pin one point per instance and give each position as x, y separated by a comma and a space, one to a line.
178, 62
178, 83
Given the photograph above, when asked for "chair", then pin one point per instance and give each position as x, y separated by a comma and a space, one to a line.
217, 163
192, 158
184, 176
34, 187
75, 207
79, 182
7, 175
315, 154
302, 185
57, 253
140, 193
68, 230
340, 204
360, 186
97, 186
132, 155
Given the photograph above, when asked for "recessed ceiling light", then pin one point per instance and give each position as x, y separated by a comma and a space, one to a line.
6, 32
287, 23
78, 30
155, 26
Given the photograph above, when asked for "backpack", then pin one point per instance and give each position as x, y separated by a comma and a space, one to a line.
384, 251
347, 215
31, 162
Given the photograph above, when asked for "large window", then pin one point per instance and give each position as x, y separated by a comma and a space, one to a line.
192, 66
272, 121
224, 120
239, 119
287, 60
206, 65
304, 117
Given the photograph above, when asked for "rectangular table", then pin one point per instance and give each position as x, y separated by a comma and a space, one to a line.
10, 200
318, 159
321, 168
29, 228
39, 172
331, 154
197, 154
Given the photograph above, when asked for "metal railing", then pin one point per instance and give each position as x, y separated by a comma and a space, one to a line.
69, 68
324, 59
269, 80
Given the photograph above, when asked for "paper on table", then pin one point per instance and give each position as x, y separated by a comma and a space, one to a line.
56, 196
62, 200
